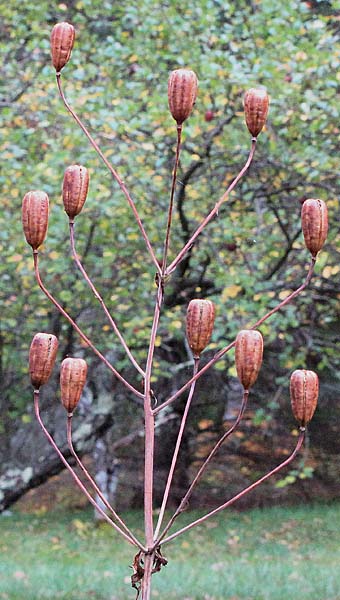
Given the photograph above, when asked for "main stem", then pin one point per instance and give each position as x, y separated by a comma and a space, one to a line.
149, 452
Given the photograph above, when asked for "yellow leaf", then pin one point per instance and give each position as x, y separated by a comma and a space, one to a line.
230, 292
284, 294
329, 271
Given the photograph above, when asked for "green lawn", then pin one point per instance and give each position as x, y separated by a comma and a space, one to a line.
272, 554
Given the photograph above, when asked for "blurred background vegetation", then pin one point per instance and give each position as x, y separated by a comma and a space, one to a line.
248, 259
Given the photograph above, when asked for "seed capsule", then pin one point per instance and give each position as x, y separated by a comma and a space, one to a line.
72, 380
314, 220
42, 357
256, 104
304, 391
182, 92
35, 207
199, 324
248, 356
75, 187
62, 40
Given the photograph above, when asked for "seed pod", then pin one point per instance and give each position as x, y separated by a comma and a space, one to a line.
75, 187
314, 220
72, 380
256, 104
199, 324
42, 357
182, 92
304, 391
35, 207
62, 40
248, 356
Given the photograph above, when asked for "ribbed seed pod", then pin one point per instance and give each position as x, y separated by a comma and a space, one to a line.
304, 391
42, 357
256, 104
35, 207
62, 40
72, 380
75, 187
199, 324
248, 356
182, 92
314, 220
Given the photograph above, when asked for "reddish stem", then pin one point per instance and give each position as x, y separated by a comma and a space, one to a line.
213, 212
150, 425
100, 299
184, 502
173, 186
79, 331
176, 451
241, 494
94, 485
112, 171
75, 476
226, 349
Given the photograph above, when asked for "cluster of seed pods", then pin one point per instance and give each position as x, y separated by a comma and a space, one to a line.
182, 92
42, 357
304, 385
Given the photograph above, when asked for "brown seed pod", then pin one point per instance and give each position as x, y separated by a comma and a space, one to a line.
35, 207
42, 357
72, 380
199, 324
256, 104
314, 220
248, 356
75, 187
304, 391
62, 40
182, 92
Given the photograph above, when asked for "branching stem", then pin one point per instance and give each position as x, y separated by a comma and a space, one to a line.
79, 331
75, 476
112, 171
242, 493
100, 300
94, 485
176, 451
171, 203
184, 502
213, 212
226, 349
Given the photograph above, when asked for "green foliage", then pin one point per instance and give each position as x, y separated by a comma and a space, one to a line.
117, 80
285, 553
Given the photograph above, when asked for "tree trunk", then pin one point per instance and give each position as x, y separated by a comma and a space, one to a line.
106, 472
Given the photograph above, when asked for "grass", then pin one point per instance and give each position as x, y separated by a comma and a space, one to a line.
271, 554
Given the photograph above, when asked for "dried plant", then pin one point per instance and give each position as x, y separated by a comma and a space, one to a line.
182, 90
